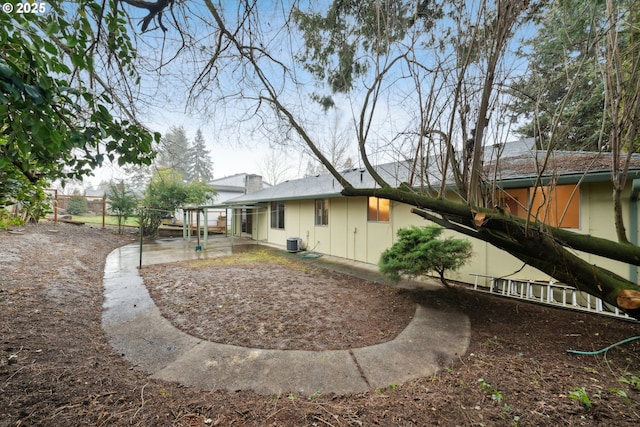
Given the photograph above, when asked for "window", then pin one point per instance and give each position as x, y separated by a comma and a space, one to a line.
515, 199
558, 206
247, 215
277, 215
322, 212
378, 209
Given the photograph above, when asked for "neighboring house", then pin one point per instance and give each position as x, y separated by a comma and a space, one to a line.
96, 192
236, 185
227, 188
361, 228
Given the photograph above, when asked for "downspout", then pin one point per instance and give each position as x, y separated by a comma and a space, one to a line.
633, 224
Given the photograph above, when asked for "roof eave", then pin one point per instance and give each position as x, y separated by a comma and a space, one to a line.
281, 199
574, 178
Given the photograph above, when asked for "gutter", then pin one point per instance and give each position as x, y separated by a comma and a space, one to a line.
286, 198
633, 224
574, 178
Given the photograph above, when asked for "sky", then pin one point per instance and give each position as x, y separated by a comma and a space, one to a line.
237, 148
233, 151
228, 158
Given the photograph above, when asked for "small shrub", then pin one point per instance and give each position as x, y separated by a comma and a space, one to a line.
418, 251
7, 220
77, 205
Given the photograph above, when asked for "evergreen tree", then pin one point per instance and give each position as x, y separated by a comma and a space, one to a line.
563, 94
200, 164
138, 177
419, 251
77, 204
174, 151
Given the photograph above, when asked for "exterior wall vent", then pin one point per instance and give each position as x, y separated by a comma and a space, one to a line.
294, 244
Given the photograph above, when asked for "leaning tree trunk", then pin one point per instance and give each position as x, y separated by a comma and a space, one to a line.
539, 247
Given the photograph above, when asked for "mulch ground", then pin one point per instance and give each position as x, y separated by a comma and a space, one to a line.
265, 299
56, 367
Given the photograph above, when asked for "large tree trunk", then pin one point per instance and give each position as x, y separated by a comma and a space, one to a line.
540, 247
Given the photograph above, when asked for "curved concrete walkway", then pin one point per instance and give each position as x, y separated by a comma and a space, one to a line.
136, 330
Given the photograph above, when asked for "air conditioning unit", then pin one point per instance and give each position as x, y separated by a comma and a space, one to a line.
294, 244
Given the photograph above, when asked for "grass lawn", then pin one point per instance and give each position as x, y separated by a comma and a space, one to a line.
108, 219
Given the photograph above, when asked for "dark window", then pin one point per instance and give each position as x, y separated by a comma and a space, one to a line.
247, 216
322, 212
277, 214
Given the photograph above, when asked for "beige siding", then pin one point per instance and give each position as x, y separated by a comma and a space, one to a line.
598, 221
350, 235
321, 240
357, 228
261, 224
304, 227
338, 230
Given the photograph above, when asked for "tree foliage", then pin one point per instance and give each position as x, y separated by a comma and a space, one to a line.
621, 75
336, 39
122, 203
60, 116
77, 205
190, 159
200, 165
562, 96
174, 151
138, 177
419, 251
166, 192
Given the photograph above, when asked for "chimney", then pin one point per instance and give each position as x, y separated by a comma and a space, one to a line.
252, 184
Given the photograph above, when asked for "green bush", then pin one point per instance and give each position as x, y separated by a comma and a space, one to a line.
77, 205
122, 202
418, 252
7, 220
29, 198
165, 193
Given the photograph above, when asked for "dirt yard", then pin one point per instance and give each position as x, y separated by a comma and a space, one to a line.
56, 367
266, 299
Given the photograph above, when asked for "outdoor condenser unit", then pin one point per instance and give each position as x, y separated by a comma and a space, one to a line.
293, 244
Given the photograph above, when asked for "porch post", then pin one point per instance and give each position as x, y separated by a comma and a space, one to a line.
206, 228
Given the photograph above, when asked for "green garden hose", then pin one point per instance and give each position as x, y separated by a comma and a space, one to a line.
604, 349
310, 254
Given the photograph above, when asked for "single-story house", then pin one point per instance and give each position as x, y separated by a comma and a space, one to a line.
313, 210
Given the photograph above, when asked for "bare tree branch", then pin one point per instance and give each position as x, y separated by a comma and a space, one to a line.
155, 9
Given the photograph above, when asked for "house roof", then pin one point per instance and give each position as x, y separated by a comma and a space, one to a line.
518, 164
562, 166
307, 188
236, 180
